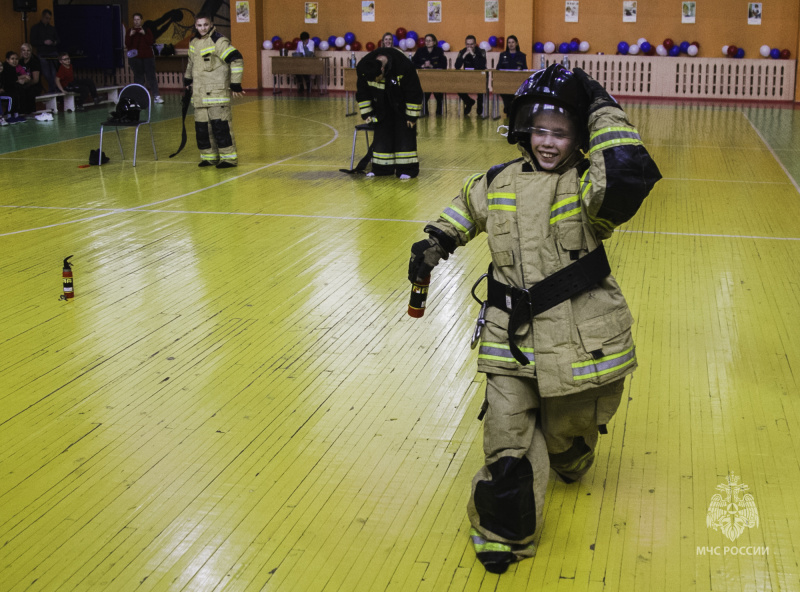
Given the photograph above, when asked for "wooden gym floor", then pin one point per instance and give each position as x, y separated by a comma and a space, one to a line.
237, 400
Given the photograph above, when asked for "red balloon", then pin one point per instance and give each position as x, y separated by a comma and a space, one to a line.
277, 44
732, 49
668, 44
296, 40
290, 45
421, 42
370, 46
401, 33
786, 54
501, 42
696, 44
356, 46
651, 51
575, 39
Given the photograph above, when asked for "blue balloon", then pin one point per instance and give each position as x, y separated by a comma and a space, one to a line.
645, 47
675, 51
538, 47
332, 40
775, 53
440, 42
563, 48
740, 53
412, 35
276, 39
574, 46
316, 41
349, 38
395, 40
623, 48
684, 46
493, 40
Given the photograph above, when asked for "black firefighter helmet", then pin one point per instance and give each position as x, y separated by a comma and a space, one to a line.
555, 85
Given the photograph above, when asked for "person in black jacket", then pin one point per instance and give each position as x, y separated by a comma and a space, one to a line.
389, 96
471, 57
511, 59
44, 39
431, 56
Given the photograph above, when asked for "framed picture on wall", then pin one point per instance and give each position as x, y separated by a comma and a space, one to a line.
367, 11
571, 11
491, 11
688, 12
243, 11
629, 11
312, 12
754, 13
434, 11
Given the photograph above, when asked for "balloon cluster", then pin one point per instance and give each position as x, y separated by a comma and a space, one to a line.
574, 46
670, 48
734, 52
774, 53
347, 42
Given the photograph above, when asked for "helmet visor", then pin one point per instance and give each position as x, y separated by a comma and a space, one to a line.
539, 118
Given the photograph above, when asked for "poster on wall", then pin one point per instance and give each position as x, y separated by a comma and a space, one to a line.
434, 11
491, 11
754, 13
368, 12
688, 12
571, 11
312, 12
629, 11
243, 12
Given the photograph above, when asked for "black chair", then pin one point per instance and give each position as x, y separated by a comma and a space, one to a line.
136, 94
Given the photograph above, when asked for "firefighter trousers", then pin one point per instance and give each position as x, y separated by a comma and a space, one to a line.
524, 436
394, 148
214, 130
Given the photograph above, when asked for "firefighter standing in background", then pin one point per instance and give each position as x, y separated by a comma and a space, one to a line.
390, 97
214, 74
556, 343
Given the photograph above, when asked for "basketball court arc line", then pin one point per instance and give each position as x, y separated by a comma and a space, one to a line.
169, 199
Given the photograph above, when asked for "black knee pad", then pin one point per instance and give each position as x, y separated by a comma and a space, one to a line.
222, 133
506, 504
201, 131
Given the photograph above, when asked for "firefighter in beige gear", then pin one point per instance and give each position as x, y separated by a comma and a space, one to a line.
214, 74
555, 341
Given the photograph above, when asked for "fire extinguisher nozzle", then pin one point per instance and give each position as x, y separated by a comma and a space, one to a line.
67, 264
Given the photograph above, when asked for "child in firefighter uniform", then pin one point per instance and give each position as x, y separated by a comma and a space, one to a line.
389, 96
214, 74
556, 338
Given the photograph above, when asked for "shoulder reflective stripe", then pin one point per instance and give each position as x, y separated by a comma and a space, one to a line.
228, 52
501, 352
379, 85
592, 368
564, 209
468, 186
459, 219
502, 201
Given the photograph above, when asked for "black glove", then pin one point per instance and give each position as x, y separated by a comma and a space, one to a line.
425, 255
598, 96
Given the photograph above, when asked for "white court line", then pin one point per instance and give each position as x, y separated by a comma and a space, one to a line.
775, 156
365, 219
169, 199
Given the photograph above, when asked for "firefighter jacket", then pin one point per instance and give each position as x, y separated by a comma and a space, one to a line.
539, 222
399, 94
215, 69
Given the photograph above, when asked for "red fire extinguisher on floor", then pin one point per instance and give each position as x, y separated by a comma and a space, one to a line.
66, 279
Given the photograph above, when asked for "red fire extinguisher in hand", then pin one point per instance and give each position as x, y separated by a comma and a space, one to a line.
66, 279
419, 297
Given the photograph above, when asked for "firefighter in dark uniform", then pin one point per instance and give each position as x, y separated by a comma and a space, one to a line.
390, 97
556, 340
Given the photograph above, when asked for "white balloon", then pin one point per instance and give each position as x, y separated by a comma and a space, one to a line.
324, 46
584, 46
549, 47
764, 51
692, 50
641, 41
724, 50
633, 49
485, 45
340, 42
347, 47
661, 50
410, 43
445, 46
268, 45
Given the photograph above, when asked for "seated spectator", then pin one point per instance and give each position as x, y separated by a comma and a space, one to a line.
14, 79
471, 57
44, 39
511, 59
387, 40
67, 82
33, 68
5, 100
305, 48
431, 56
